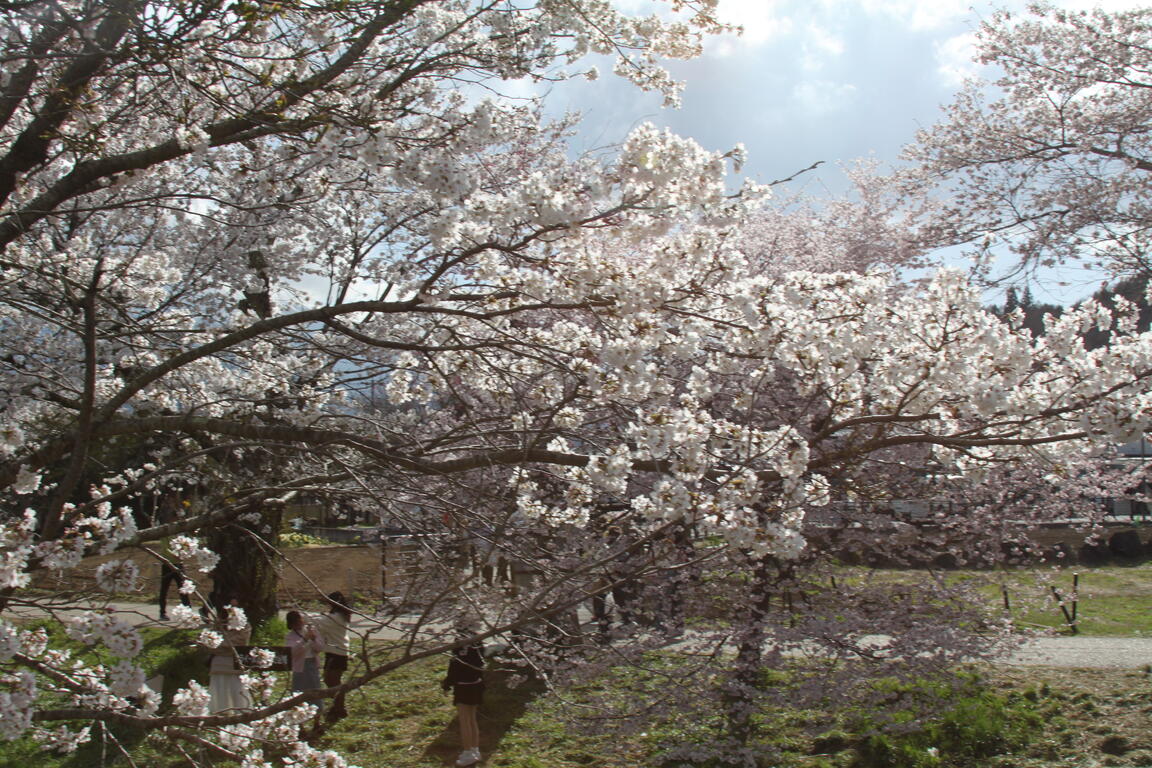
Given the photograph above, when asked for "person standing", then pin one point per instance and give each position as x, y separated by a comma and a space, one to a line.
169, 509
333, 627
171, 574
304, 643
226, 690
465, 679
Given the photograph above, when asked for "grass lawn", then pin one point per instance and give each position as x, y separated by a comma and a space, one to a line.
1075, 717
1113, 601
405, 721
1038, 718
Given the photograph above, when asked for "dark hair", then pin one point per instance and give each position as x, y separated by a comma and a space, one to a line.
293, 619
337, 603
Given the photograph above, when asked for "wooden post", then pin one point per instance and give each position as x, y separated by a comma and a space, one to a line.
1068, 619
1075, 595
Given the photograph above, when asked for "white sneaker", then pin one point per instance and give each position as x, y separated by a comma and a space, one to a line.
468, 757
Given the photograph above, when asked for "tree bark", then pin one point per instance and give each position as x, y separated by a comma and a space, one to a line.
248, 558
740, 698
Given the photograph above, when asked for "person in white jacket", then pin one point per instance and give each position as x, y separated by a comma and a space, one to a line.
333, 627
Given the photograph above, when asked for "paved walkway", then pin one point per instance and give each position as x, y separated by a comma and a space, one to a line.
1071, 651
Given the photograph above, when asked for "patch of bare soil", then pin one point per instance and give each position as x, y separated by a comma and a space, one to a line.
1097, 717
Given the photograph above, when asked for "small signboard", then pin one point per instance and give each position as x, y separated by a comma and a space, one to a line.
281, 657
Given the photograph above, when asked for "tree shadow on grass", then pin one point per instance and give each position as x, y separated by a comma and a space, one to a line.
506, 697
177, 664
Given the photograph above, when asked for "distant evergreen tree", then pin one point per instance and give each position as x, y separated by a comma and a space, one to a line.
1011, 301
1135, 290
1034, 313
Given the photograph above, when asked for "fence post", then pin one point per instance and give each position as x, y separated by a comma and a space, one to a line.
1069, 620
1075, 598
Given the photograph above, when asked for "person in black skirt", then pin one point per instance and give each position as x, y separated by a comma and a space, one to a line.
333, 628
465, 679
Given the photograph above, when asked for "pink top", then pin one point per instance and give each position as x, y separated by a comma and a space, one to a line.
304, 646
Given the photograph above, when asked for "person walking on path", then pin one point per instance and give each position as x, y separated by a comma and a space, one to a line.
465, 679
333, 627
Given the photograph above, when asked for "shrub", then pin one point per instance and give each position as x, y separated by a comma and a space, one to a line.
980, 723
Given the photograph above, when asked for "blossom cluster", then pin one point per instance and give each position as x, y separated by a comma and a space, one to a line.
298, 265
117, 635
193, 554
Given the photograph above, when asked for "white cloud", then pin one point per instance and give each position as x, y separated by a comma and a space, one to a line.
521, 88
761, 23
819, 45
1108, 5
642, 7
919, 15
954, 62
810, 21
821, 97
761, 20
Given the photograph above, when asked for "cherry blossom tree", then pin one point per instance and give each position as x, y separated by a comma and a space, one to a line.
1052, 154
307, 247
225, 225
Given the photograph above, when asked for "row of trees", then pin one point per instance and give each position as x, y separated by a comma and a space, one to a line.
253, 250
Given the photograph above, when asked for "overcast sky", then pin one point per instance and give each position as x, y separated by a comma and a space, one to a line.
809, 80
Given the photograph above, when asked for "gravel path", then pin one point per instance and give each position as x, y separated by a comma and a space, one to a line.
1073, 651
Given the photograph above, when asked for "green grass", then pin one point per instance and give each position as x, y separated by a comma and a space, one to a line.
403, 720
166, 652
979, 723
297, 539
1113, 601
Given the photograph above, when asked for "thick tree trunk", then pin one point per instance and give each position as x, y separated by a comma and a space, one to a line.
248, 560
741, 697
